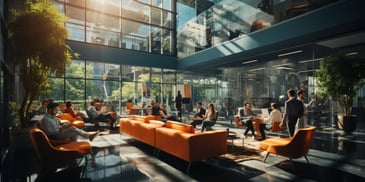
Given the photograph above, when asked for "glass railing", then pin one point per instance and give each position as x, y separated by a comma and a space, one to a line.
230, 19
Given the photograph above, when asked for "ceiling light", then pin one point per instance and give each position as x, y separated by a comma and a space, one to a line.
351, 53
252, 61
310, 60
306, 71
284, 68
257, 69
279, 65
290, 53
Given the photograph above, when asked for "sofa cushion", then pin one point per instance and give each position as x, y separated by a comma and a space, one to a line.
180, 126
157, 122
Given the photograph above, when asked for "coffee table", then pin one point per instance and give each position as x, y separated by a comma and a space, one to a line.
234, 136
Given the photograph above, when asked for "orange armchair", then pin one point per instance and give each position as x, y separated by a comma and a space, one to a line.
293, 148
73, 121
53, 157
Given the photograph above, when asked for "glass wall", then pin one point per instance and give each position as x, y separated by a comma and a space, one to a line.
139, 25
229, 19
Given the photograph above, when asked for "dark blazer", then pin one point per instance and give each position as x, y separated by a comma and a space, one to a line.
200, 112
294, 108
249, 113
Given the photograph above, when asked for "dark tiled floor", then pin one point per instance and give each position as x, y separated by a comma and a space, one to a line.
333, 157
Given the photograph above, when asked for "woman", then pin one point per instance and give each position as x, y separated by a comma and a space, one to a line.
209, 118
164, 115
69, 109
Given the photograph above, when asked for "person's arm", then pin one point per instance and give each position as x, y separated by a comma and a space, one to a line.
285, 115
49, 126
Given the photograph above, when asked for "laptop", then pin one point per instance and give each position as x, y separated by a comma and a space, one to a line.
265, 113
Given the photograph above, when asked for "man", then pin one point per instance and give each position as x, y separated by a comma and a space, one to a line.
294, 109
54, 129
94, 115
198, 116
178, 103
302, 123
246, 116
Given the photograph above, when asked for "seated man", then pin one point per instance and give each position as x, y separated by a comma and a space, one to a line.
54, 129
275, 116
165, 115
94, 115
155, 109
246, 116
198, 116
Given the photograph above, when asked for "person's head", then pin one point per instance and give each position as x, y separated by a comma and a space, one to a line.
162, 106
92, 103
247, 105
52, 108
291, 93
68, 104
178, 92
211, 107
45, 102
50, 100
300, 94
274, 106
156, 104
199, 105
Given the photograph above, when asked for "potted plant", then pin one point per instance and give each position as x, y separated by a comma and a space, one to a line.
340, 77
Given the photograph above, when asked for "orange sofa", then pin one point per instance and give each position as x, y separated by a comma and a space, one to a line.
141, 128
73, 121
180, 140
294, 147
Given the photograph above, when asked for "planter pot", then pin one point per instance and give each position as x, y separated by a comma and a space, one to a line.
346, 123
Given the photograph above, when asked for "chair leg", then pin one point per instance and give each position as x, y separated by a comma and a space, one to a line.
267, 155
188, 169
306, 158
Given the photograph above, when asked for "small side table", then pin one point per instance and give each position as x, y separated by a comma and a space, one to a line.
234, 136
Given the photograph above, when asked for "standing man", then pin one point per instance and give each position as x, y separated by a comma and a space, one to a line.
302, 123
294, 109
53, 128
178, 103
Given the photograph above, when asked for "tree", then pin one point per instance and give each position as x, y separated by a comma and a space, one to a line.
37, 44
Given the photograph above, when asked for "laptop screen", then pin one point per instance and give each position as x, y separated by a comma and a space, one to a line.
265, 112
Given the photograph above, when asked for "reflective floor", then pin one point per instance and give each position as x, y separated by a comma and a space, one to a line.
333, 157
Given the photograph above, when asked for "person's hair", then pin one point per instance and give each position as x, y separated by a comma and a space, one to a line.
212, 106
200, 103
245, 103
68, 104
92, 103
50, 100
300, 92
44, 101
52, 105
274, 105
291, 92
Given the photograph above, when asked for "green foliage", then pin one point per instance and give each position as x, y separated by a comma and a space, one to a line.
37, 44
14, 119
340, 77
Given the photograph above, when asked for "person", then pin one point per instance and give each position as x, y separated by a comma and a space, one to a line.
294, 109
275, 116
178, 103
43, 108
246, 116
302, 123
165, 115
54, 129
94, 115
198, 116
155, 109
69, 109
209, 118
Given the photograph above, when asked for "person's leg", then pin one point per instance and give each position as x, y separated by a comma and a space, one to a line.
262, 131
291, 127
250, 127
204, 124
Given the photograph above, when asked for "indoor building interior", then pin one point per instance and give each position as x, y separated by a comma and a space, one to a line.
224, 52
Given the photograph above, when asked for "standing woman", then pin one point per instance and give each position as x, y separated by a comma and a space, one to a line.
209, 118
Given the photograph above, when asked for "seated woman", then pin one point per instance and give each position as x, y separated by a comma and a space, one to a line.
94, 115
209, 118
164, 115
70, 110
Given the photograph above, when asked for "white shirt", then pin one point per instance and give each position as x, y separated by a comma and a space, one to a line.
275, 116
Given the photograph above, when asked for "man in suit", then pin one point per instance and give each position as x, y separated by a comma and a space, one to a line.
198, 116
246, 116
294, 109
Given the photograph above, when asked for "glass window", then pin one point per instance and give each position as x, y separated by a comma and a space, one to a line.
75, 90
106, 6
135, 35
76, 69
156, 40
76, 2
135, 11
156, 16
57, 91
